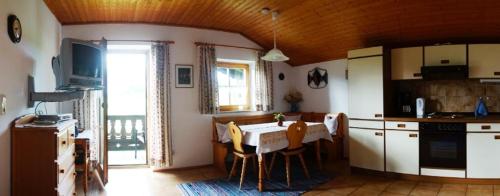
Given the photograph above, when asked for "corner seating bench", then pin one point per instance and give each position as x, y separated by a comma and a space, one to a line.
221, 150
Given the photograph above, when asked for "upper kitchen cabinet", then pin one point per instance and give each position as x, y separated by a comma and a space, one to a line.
366, 83
445, 55
484, 61
406, 63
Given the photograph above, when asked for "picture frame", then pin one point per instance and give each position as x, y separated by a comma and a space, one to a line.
184, 76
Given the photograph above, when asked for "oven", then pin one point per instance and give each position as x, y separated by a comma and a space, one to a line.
442, 145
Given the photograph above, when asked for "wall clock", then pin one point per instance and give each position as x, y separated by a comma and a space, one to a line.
14, 28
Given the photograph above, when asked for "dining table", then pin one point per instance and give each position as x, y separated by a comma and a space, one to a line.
270, 137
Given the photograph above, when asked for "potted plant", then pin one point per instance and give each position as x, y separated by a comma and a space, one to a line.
293, 97
280, 118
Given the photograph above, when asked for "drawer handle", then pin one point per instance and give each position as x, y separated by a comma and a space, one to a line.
74, 173
417, 75
445, 61
413, 135
72, 135
74, 154
401, 126
74, 193
379, 134
485, 127
61, 171
63, 142
497, 73
497, 137
378, 115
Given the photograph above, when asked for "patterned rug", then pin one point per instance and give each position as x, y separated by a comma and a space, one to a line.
275, 186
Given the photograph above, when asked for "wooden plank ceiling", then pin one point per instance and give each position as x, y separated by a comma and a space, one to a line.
309, 31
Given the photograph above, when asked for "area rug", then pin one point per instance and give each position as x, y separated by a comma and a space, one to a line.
275, 186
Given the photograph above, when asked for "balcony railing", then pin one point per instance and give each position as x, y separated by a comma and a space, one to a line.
126, 132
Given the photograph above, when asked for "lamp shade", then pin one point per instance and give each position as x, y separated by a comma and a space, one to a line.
275, 55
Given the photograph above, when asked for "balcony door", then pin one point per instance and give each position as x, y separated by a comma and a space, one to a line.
126, 92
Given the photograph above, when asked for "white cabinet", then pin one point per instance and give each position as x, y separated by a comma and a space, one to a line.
366, 148
483, 155
402, 152
445, 55
484, 61
366, 87
406, 63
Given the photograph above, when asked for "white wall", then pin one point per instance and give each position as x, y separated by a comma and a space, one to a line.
40, 41
332, 98
191, 131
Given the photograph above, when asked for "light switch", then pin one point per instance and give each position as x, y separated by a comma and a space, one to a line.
3, 104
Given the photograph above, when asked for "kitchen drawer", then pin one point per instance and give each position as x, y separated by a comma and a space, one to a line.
65, 162
401, 125
69, 180
62, 142
483, 127
369, 124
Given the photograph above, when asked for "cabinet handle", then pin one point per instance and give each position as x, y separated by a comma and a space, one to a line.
379, 134
74, 193
497, 137
445, 61
61, 171
378, 115
401, 126
63, 142
486, 127
72, 135
74, 173
496, 73
74, 154
413, 135
417, 75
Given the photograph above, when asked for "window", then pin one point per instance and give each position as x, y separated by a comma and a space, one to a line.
234, 86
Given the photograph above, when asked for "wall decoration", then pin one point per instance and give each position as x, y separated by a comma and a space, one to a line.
281, 76
184, 76
317, 78
14, 29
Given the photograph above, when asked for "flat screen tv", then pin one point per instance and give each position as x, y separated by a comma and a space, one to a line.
79, 65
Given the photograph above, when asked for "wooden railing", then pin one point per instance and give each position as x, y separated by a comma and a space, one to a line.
126, 133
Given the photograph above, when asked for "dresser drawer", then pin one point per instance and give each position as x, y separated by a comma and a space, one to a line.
69, 180
483, 127
62, 142
395, 125
367, 124
65, 161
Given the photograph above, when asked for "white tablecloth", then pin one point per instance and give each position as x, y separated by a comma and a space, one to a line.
269, 137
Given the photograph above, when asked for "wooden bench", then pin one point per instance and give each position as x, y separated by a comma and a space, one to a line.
220, 150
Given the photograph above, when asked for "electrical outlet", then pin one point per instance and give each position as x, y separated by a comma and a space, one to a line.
3, 104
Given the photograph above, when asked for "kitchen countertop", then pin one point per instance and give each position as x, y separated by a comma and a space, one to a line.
467, 119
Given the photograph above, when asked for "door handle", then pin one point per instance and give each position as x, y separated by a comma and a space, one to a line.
413, 135
379, 134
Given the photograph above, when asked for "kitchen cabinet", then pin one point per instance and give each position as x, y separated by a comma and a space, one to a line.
402, 148
484, 61
483, 150
445, 55
406, 63
366, 85
366, 148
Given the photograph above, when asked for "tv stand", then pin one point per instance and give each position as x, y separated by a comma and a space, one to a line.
50, 96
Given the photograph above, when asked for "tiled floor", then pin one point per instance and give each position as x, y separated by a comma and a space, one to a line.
142, 181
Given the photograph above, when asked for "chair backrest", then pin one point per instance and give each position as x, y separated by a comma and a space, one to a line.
236, 135
295, 134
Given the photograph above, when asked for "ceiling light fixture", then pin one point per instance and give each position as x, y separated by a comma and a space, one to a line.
274, 54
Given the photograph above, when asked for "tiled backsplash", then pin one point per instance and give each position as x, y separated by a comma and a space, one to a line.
453, 95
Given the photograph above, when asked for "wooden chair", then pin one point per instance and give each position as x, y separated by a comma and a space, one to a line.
295, 135
240, 152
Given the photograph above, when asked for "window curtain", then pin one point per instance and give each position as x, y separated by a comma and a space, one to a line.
263, 84
87, 111
159, 124
209, 92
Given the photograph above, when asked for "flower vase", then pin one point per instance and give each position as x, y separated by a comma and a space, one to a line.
294, 107
280, 123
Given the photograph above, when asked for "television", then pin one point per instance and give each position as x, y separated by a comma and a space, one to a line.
79, 65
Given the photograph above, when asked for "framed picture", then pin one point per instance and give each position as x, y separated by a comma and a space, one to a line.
184, 76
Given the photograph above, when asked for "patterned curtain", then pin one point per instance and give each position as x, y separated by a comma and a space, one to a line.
87, 111
263, 84
209, 92
159, 132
